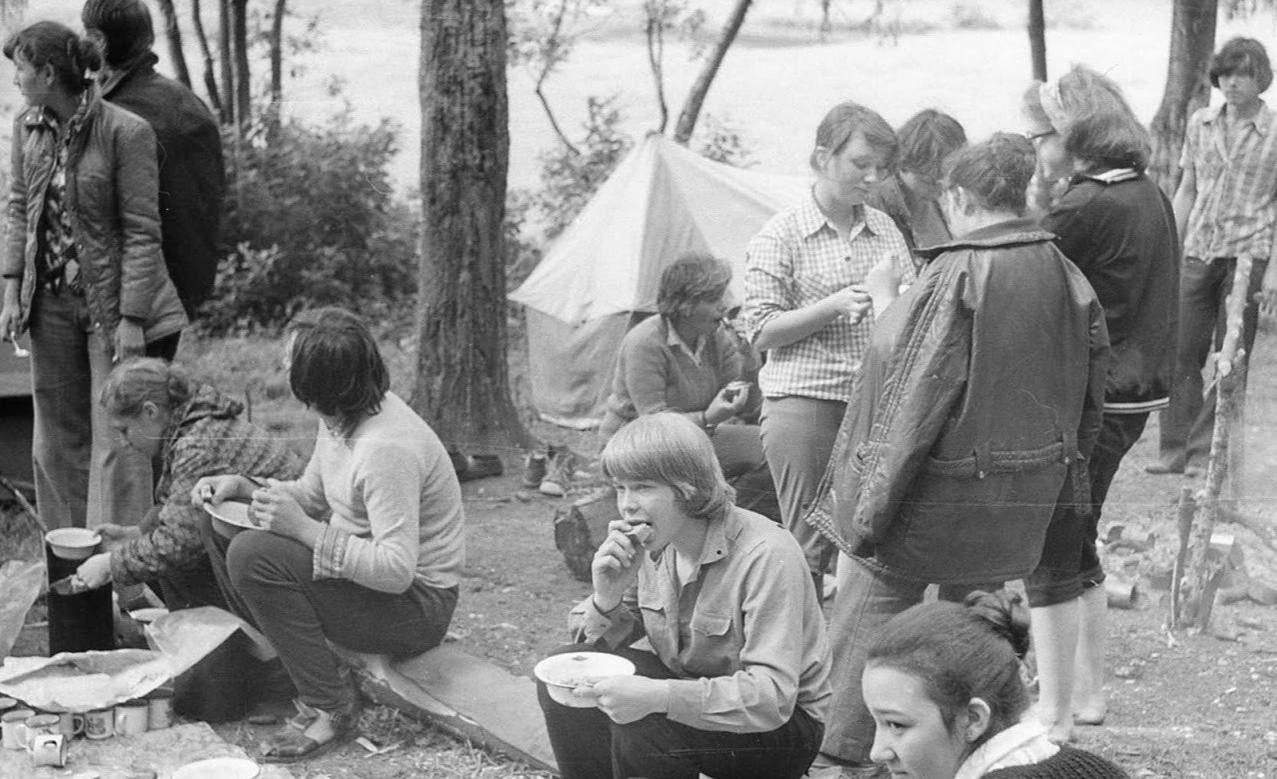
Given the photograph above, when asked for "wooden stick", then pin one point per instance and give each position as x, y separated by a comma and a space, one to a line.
25, 504
1187, 507
1230, 368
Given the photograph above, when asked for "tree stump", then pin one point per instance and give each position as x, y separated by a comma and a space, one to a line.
579, 528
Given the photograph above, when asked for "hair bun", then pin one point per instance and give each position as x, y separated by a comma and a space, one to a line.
1006, 614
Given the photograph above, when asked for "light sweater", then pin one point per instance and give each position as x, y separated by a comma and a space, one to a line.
395, 503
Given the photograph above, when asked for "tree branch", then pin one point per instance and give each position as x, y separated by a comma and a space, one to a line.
696, 95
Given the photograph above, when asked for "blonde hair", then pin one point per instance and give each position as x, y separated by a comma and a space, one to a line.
136, 382
667, 448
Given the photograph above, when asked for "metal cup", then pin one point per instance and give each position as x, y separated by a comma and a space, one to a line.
131, 718
160, 709
49, 749
99, 724
71, 724
13, 728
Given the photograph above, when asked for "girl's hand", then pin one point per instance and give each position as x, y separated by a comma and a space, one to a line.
277, 510
95, 571
215, 489
117, 535
626, 699
615, 566
729, 402
852, 302
129, 340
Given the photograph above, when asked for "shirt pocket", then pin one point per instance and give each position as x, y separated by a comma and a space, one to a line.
656, 626
716, 648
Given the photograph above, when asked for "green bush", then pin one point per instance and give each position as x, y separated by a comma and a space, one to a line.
314, 221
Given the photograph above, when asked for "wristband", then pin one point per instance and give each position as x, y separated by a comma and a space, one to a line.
595, 603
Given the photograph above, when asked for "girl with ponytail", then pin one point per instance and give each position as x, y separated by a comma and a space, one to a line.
943, 683
978, 398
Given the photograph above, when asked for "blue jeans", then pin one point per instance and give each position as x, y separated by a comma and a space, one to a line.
80, 475
1187, 426
868, 596
269, 581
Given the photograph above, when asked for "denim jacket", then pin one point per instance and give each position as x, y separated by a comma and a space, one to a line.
978, 402
756, 646
112, 195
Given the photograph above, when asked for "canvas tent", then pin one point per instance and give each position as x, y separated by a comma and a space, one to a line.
601, 274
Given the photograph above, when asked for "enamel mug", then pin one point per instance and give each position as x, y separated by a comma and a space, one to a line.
13, 728
49, 749
71, 724
131, 718
99, 724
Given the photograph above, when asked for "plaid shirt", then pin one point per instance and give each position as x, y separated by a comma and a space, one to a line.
1235, 212
57, 243
797, 259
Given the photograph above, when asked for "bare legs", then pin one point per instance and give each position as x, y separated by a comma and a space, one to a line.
1068, 639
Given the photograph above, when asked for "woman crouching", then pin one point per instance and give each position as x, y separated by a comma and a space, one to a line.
737, 680
943, 683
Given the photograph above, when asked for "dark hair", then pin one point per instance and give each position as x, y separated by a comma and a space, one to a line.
135, 382
845, 120
995, 172
335, 366
693, 278
1242, 55
926, 139
960, 652
125, 26
50, 43
1108, 140
667, 448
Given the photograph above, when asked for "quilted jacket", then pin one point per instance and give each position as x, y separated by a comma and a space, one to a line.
112, 195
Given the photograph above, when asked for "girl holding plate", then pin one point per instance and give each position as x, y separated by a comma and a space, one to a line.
736, 679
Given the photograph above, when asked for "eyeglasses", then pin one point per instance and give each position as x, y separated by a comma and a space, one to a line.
1032, 136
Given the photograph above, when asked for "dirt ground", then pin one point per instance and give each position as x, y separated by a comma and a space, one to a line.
1181, 705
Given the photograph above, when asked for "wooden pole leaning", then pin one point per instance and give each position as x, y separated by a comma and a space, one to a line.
1202, 572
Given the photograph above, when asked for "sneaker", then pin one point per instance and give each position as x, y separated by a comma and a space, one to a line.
1159, 468
559, 473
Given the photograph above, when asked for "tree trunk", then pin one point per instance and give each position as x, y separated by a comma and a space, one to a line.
1037, 39
462, 385
210, 80
1187, 85
654, 32
696, 95
276, 68
243, 75
174, 36
224, 54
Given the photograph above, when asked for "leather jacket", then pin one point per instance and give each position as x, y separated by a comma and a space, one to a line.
111, 194
974, 411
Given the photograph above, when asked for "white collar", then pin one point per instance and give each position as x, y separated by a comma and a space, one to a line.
1022, 744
